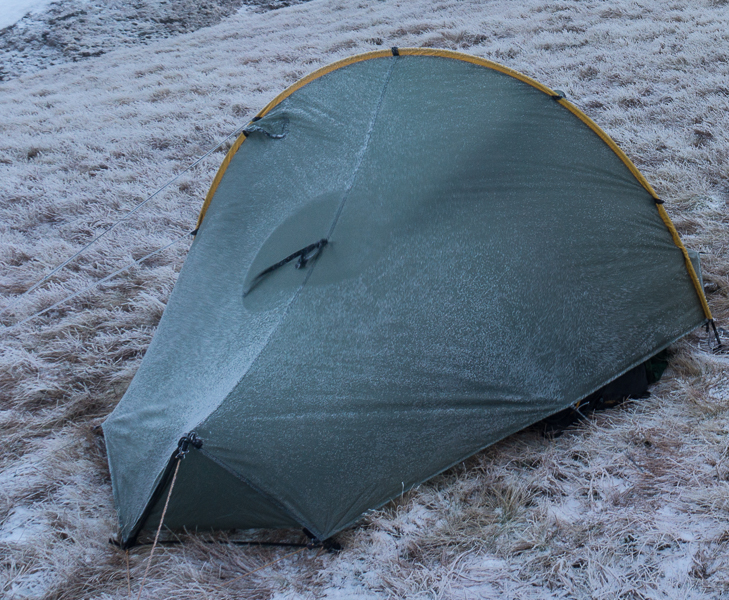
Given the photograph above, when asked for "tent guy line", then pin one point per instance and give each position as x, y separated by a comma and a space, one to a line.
98, 283
114, 225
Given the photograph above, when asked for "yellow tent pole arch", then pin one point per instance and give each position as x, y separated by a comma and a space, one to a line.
489, 65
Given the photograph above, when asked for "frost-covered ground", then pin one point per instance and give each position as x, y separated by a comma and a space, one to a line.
632, 504
32, 39
11, 11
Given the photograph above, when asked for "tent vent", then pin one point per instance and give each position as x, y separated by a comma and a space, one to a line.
304, 255
274, 136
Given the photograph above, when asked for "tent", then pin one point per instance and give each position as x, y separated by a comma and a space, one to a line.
406, 256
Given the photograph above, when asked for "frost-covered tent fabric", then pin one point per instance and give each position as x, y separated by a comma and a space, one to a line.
480, 256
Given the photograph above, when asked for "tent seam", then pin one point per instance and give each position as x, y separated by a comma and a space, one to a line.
363, 151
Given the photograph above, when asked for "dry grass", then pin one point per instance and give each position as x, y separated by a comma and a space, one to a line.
631, 504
